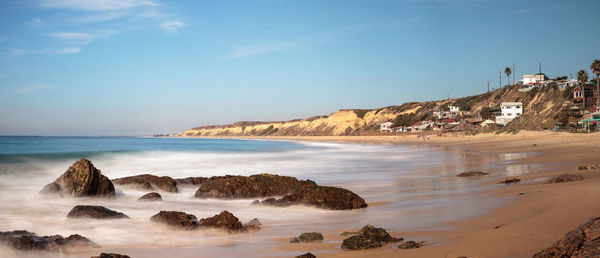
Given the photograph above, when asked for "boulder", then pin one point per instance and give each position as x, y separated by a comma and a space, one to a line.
325, 197
254, 224
564, 178
176, 219
472, 173
191, 180
28, 241
224, 220
262, 185
153, 196
148, 182
589, 167
410, 245
94, 212
111, 255
584, 241
369, 237
81, 179
306, 255
307, 237
510, 181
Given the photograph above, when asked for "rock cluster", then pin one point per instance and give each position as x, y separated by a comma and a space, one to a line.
193, 180
81, 179
153, 196
510, 181
410, 245
369, 237
325, 197
564, 178
149, 182
28, 241
307, 237
176, 219
472, 173
224, 220
94, 212
584, 241
262, 185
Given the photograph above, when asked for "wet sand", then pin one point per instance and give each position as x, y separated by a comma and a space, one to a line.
536, 215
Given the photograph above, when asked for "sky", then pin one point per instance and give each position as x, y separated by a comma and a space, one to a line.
138, 67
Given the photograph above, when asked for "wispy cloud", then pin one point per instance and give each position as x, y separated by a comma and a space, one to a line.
100, 17
95, 5
71, 50
260, 49
81, 38
172, 27
37, 23
20, 51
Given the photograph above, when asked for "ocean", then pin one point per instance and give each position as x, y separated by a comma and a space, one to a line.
407, 187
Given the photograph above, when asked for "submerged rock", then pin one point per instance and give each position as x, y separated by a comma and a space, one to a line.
307, 237
153, 196
224, 220
306, 255
326, 197
176, 219
369, 237
262, 185
472, 173
510, 181
149, 182
81, 179
111, 255
254, 224
564, 178
410, 245
584, 241
94, 212
28, 241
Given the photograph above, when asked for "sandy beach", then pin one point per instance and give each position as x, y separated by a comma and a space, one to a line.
537, 215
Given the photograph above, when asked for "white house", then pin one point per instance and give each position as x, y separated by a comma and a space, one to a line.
385, 127
508, 112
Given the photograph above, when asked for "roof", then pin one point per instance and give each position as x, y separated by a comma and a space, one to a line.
387, 123
511, 103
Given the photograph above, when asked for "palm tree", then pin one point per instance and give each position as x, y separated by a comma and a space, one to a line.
596, 68
582, 77
507, 71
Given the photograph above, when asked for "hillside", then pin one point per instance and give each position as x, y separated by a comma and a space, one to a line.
542, 110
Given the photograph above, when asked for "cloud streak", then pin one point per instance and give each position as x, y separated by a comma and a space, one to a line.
81, 38
95, 5
260, 49
172, 27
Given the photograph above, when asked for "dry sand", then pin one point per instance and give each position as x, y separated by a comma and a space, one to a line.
538, 215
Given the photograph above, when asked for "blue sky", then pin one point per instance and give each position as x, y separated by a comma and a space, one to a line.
130, 67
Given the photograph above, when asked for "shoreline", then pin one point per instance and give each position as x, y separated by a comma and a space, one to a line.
537, 215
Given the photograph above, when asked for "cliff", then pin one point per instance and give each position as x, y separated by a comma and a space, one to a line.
542, 110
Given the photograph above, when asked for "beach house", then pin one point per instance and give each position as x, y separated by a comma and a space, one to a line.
508, 112
385, 127
587, 93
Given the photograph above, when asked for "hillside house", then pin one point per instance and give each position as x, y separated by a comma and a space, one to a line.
508, 112
453, 113
385, 127
564, 84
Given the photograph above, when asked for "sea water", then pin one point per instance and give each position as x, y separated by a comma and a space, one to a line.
409, 188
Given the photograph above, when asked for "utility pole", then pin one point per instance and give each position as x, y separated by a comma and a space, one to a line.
500, 79
488, 86
540, 67
514, 74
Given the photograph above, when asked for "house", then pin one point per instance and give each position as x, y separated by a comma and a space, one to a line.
508, 112
385, 127
529, 79
487, 123
452, 113
590, 94
564, 84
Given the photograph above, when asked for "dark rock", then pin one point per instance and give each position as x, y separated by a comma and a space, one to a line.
410, 245
306, 255
254, 224
153, 196
191, 180
262, 185
510, 181
94, 212
590, 167
149, 182
326, 197
27, 241
111, 255
472, 173
307, 237
584, 241
81, 179
564, 178
224, 220
369, 237
176, 219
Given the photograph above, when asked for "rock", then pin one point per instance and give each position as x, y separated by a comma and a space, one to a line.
191, 180
153, 196
81, 179
410, 245
369, 237
262, 185
472, 173
111, 255
510, 181
564, 178
325, 197
224, 220
307, 237
590, 167
254, 224
306, 255
176, 219
28, 241
584, 241
149, 182
94, 212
